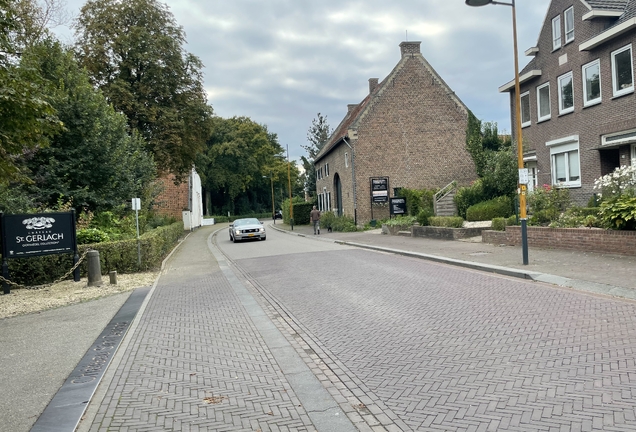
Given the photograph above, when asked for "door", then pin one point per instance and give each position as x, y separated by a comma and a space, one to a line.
337, 186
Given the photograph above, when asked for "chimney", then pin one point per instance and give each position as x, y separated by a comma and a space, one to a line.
351, 107
410, 48
373, 83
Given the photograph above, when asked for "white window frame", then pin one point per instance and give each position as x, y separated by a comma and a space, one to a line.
564, 146
556, 32
560, 88
633, 154
328, 205
346, 160
596, 63
620, 92
547, 116
569, 32
326, 170
529, 121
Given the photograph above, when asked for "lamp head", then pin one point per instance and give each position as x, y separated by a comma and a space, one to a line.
478, 2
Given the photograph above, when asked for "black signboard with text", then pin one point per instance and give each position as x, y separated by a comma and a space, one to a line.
398, 206
380, 190
37, 234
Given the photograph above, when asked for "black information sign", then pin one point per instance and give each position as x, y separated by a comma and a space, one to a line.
398, 206
380, 190
37, 234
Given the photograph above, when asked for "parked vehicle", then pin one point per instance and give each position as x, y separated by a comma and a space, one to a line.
245, 229
278, 214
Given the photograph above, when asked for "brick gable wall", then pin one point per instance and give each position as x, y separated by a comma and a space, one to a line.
413, 132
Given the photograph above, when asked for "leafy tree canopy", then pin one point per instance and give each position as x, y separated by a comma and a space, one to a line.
134, 51
240, 159
94, 162
27, 119
494, 158
317, 136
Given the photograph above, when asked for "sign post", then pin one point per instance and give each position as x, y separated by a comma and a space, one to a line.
136, 206
398, 206
27, 235
379, 191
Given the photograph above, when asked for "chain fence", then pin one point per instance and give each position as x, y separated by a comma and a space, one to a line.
58, 280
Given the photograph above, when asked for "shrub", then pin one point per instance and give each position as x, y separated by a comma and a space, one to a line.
512, 220
620, 182
619, 213
327, 219
417, 200
446, 221
343, 224
499, 224
423, 217
91, 235
547, 203
468, 196
487, 210
575, 217
405, 221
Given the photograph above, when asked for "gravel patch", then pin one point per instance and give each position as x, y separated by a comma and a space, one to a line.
24, 301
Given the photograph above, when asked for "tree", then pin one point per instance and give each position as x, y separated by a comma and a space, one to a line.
94, 162
134, 51
494, 158
317, 136
236, 166
35, 18
27, 119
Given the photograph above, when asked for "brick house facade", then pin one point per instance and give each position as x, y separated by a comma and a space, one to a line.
410, 128
577, 95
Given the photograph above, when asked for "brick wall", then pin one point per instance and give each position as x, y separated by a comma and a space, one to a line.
413, 131
577, 239
173, 199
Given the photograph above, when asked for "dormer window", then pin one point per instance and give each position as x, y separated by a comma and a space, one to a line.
569, 25
556, 32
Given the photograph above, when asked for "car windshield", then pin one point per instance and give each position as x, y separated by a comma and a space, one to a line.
252, 221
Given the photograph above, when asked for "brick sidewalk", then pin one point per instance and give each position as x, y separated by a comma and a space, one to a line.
196, 361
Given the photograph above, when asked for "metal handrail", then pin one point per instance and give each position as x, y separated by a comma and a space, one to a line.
443, 192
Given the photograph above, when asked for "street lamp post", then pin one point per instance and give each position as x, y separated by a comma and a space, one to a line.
523, 177
271, 178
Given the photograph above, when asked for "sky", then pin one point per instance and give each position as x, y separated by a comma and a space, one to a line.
280, 62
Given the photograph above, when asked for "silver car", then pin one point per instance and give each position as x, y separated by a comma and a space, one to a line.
248, 228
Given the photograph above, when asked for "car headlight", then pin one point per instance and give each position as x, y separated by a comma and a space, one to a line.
237, 231
262, 229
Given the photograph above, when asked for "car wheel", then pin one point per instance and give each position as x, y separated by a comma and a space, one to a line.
263, 238
234, 239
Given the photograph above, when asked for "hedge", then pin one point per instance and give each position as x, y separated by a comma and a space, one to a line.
120, 256
488, 210
224, 219
446, 221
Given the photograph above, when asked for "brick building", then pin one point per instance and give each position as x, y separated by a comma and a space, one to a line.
175, 198
578, 108
410, 130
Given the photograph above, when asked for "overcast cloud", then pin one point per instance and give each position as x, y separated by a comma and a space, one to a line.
280, 62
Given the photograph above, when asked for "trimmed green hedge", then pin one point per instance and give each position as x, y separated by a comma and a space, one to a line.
446, 221
120, 256
488, 210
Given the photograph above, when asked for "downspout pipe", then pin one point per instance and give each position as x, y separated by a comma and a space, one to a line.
353, 181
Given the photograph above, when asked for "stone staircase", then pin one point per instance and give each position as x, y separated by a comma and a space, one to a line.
443, 201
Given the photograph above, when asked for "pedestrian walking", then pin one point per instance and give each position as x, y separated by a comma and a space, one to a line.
314, 216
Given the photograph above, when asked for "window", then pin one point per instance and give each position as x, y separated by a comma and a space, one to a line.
566, 98
564, 158
328, 207
633, 154
556, 32
591, 83
622, 71
569, 25
326, 170
543, 102
346, 160
525, 109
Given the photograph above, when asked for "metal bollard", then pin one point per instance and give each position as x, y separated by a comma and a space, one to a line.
113, 277
94, 269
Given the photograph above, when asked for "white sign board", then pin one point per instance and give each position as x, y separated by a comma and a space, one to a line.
523, 176
136, 203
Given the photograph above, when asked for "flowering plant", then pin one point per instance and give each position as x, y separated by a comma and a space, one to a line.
620, 182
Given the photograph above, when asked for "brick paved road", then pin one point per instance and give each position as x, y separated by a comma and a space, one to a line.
442, 348
197, 362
